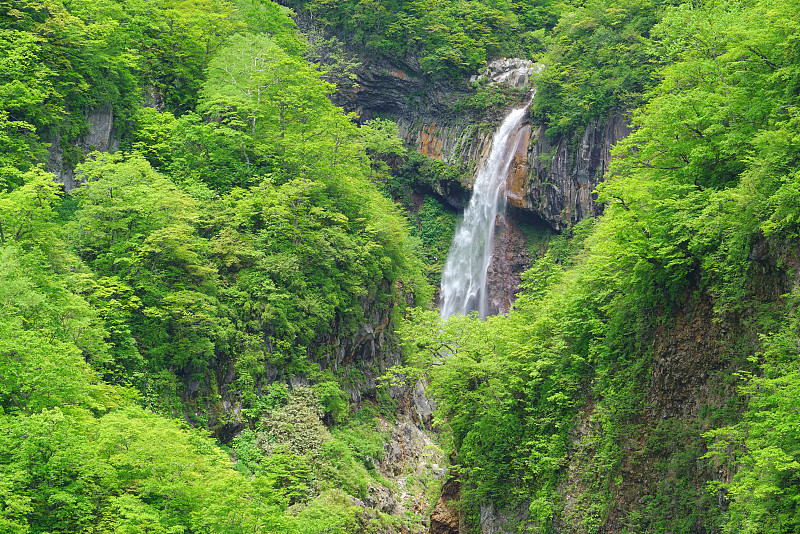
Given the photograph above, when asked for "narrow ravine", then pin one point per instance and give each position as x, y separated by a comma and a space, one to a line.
464, 275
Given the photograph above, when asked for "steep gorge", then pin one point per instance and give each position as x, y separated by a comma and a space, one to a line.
683, 389
551, 182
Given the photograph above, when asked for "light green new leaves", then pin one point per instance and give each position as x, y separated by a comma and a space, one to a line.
128, 471
38, 373
26, 212
136, 226
764, 449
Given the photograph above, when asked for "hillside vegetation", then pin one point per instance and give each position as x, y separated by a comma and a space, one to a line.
242, 233
558, 404
235, 230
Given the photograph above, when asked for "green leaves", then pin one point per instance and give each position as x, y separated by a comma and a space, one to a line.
125, 471
504, 390
37, 373
26, 212
763, 450
137, 230
596, 61
452, 39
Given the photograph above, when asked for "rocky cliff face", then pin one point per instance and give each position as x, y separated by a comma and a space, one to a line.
63, 155
462, 139
662, 474
510, 259
553, 181
359, 358
445, 517
561, 178
400, 90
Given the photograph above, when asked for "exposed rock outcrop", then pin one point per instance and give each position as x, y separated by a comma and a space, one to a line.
554, 181
459, 142
409, 450
412, 461
495, 521
64, 154
359, 357
398, 89
462, 140
513, 72
561, 180
446, 518
509, 260
550, 181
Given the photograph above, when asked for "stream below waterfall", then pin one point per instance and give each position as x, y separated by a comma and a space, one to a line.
463, 287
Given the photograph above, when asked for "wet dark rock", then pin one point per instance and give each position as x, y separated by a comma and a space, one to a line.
562, 180
445, 518
509, 260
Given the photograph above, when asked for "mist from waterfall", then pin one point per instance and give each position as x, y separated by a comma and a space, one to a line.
463, 288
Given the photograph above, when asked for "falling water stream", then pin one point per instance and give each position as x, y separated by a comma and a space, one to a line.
464, 275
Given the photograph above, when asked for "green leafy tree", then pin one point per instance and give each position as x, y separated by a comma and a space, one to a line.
135, 225
763, 449
597, 59
297, 426
26, 213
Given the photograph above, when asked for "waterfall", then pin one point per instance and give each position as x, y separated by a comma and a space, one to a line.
464, 275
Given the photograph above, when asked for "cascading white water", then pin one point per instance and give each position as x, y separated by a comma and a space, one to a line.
464, 275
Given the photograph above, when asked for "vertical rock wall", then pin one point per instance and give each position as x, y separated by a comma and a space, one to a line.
561, 179
459, 143
64, 154
554, 182
510, 259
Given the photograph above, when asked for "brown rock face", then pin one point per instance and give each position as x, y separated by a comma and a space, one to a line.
555, 181
691, 358
509, 260
457, 141
517, 181
445, 518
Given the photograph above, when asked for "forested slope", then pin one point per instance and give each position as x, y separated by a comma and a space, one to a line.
647, 381
234, 273
233, 244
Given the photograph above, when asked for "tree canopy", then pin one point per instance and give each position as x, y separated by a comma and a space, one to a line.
206, 276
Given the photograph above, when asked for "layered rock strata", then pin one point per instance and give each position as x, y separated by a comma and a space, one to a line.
552, 181
561, 180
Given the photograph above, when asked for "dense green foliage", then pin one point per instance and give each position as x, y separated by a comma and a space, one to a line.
447, 38
237, 232
244, 231
79, 454
435, 229
701, 197
598, 55
597, 58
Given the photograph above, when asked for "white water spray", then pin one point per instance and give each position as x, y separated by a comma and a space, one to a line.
464, 275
